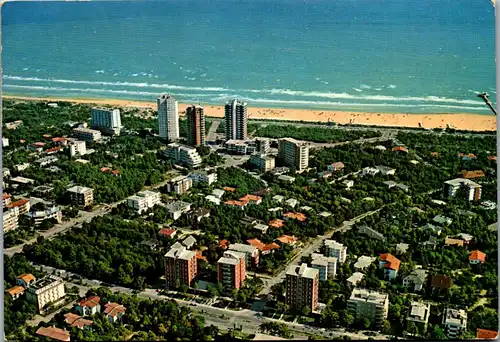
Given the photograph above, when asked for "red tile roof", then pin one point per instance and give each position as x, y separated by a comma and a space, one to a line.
491, 158
337, 165
55, 333
261, 246
39, 144
277, 223
296, 216
399, 148
167, 232
115, 172
435, 154
391, 261
477, 255
90, 301
486, 334
53, 149
223, 244
58, 139
470, 155
287, 239
250, 198
113, 309
15, 290
228, 188
18, 203
27, 277
472, 174
105, 169
236, 203
76, 321
22, 141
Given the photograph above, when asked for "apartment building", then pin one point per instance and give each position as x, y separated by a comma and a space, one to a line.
177, 208
419, 314
50, 212
471, 191
195, 126
264, 163
454, 322
231, 270
236, 146
203, 177
236, 116
87, 134
168, 117
181, 267
77, 148
369, 304
144, 200
179, 184
46, 290
107, 120
21, 206
183, 154
251, 254
262, 145
327, 266
302, 284
335, 249
81, 195
294, 153
10, 220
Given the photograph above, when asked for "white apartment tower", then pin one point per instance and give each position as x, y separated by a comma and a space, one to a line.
369, 304
106, 120
335, 249
168, 117
236, 117
294, 153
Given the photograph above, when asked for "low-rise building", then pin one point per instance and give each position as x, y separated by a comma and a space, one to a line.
454, 322
54, 333
390, 265
177, 208
286, 179
218, 193
262, 228
278, 171
416, 280
179, 185
291, 202
114, 312
263, 162
286, 240
237, 146
42, 162
477, 257
369, 171
198, 214
355, 279
25, 280
77, 321
46, 290
49, 213
15, 292
337, 166
213, 199
89, 306
363, 262
276, 223
418, 314
87, 134
77, 148
369, 304
81, 195
348, 183
440, 282
262, 247
203, 177
365, 230
144, 200
386, 170
251, 199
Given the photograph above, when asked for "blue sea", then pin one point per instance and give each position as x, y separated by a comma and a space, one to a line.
427, 56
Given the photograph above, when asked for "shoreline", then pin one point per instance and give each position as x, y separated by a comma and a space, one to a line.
460, 121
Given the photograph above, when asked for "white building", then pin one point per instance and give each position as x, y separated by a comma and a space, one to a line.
183, 154
355, 278
335, 249
327, 266
179, 185
236, 116
236, 146
419, 314
294, 153
44, 291
363, 262
263, 162
77, 147
369, 171
472, 190
386, 171
5, 142
291, 202
106, 120
53, 212
415, 281
454, 321
369, 304
203, 177
144, 200
176, 209
10, 220
168, 117
87, 134
42, 162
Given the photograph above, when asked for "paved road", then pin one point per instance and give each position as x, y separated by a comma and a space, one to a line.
212, 132
84, 216
224, 319
359, 141
316, 244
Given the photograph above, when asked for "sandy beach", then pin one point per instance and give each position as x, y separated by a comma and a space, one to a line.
475, 122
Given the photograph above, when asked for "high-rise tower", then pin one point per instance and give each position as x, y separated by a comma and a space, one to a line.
168, 117
195, 125
236, 120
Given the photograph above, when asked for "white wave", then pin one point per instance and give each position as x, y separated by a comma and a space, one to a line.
123, 84
357, 89
365, 86
324, 82
24, 69
99, 71
134, 75
391, 86
288, 92
93, 90
378, 89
